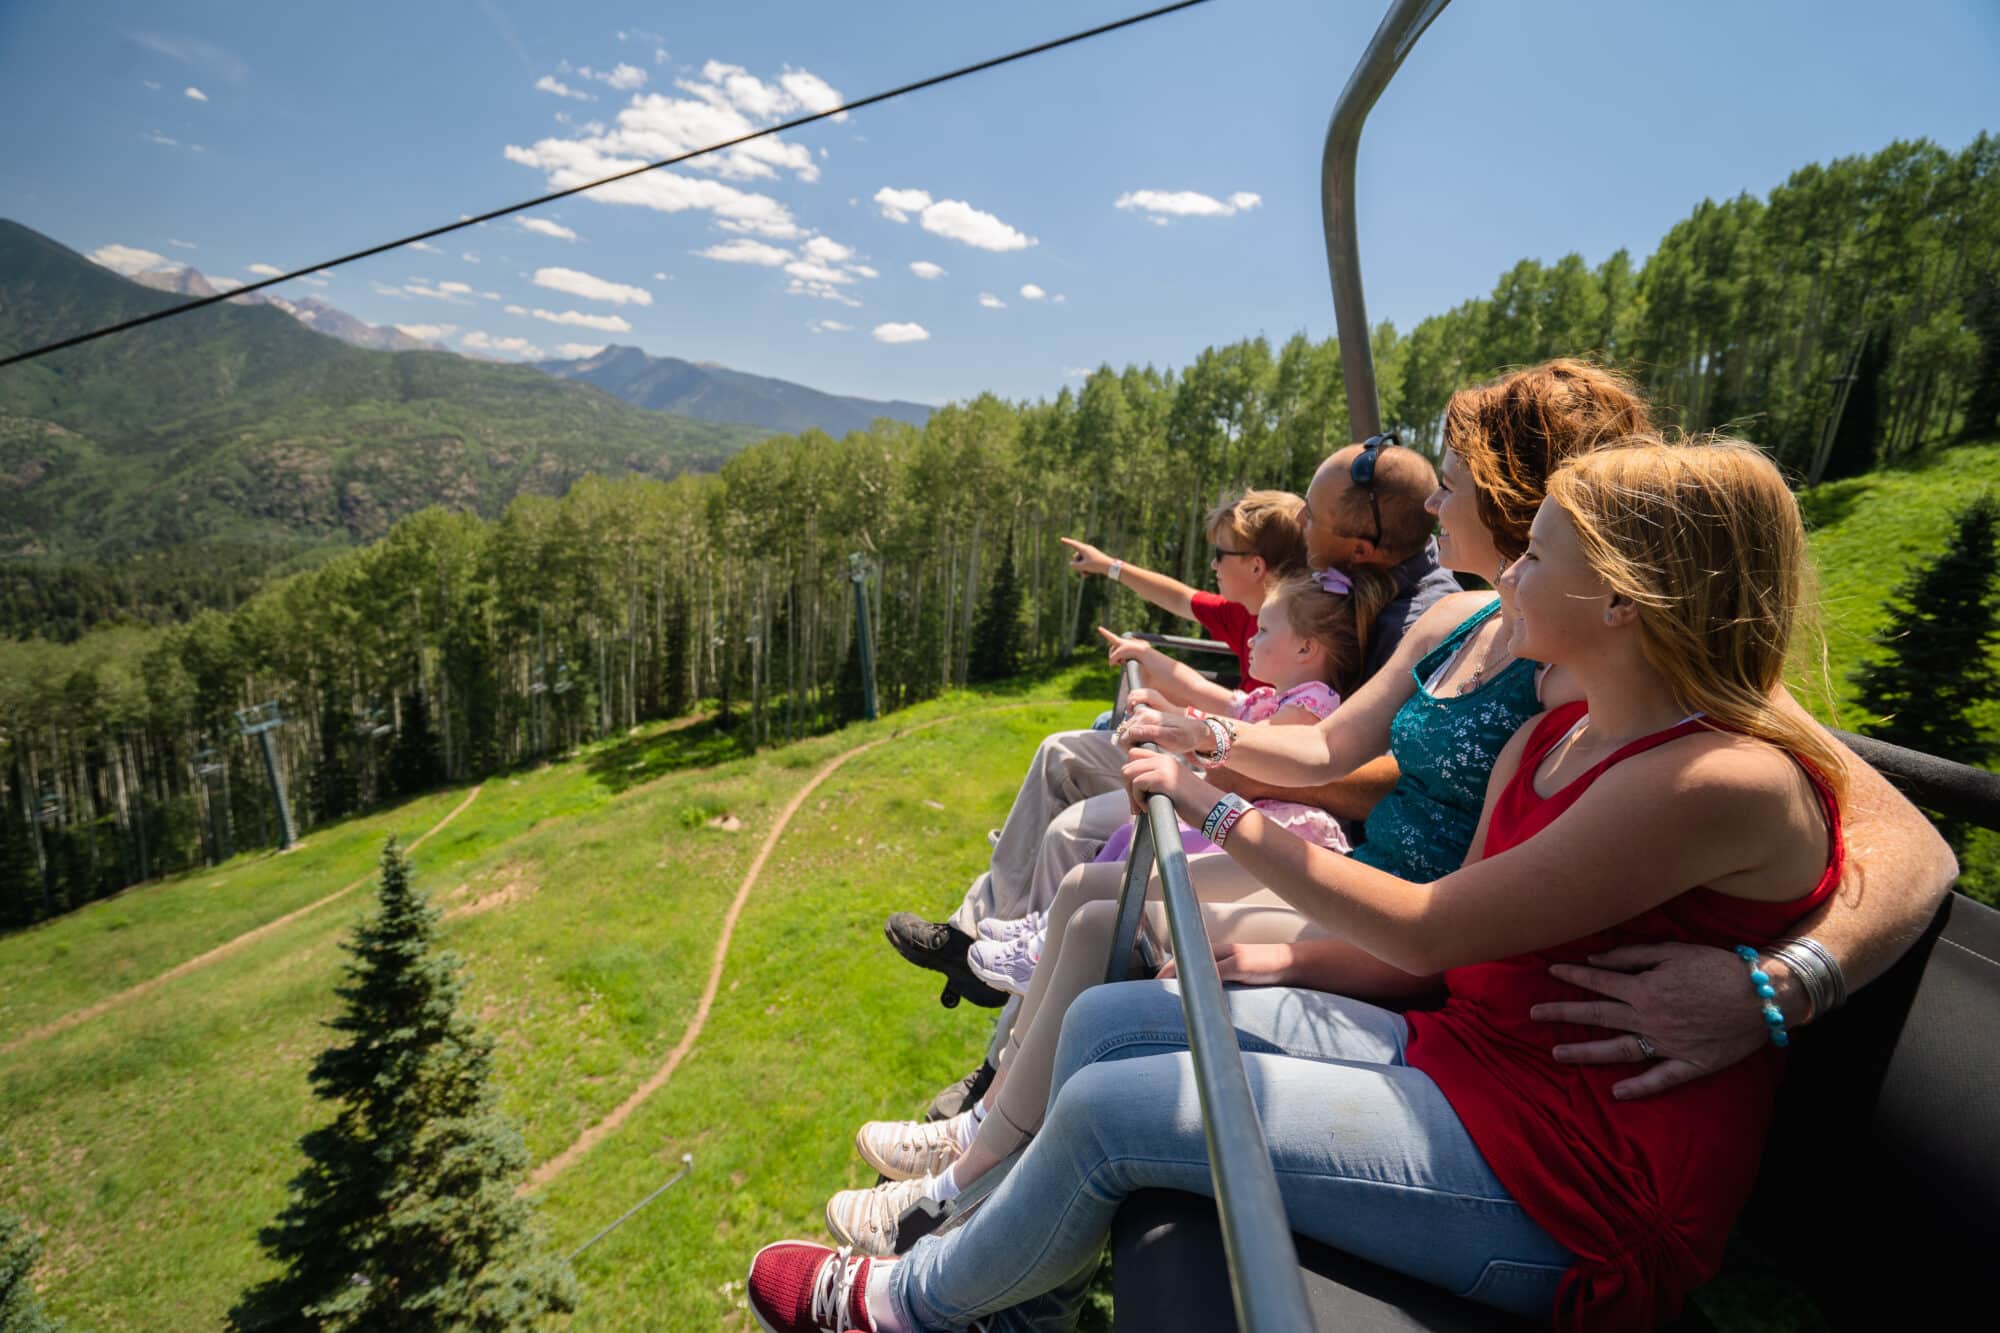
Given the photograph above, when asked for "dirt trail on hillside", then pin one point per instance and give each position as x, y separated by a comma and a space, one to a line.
590, 1137
219, 952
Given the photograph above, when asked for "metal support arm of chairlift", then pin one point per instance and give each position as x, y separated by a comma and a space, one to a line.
1399, 30
1263, 1263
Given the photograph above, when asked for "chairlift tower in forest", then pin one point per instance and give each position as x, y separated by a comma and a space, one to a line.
260, 721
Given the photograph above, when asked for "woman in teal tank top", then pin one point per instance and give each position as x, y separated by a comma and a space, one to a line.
1445, 745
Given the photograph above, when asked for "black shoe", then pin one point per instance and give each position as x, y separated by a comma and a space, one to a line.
961, 1094
941, 947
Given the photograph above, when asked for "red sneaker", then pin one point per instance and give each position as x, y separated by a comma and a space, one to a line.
798, 1287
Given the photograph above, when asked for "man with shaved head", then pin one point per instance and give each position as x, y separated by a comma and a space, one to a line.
1366, 507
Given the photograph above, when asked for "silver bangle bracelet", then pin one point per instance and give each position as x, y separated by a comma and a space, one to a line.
1829, 968
1818, 974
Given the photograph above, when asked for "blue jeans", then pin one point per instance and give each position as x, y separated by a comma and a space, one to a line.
1369, 1156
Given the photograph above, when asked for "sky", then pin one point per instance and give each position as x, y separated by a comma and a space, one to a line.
1132, 199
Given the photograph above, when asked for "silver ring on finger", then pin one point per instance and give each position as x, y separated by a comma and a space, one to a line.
1647, 1051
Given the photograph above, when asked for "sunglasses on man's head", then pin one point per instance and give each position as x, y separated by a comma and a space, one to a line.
1362, 473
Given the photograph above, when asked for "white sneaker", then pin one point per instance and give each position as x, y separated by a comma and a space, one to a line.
867, 1219
906, 1149
1012, 928
1006, 965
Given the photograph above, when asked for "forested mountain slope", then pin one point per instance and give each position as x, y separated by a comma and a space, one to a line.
238, 422
716, 393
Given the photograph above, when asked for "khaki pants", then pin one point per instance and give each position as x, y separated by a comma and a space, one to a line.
1054, 826
1236, 908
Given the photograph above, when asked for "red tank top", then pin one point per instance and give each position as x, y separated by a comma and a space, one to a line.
1642, 1192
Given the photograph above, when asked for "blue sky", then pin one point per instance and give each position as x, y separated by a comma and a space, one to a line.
230, 135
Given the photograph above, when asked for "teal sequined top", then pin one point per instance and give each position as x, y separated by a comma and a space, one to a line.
1445, 746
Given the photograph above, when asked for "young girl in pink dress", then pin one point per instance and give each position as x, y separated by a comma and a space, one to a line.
1311, 639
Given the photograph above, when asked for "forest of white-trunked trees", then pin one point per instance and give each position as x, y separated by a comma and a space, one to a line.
1851, 317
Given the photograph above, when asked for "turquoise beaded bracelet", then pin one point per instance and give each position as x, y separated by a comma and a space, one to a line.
1767, 994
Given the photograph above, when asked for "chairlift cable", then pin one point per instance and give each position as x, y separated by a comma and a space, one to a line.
796, 122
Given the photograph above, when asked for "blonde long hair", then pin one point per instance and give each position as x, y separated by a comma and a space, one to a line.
1705, 539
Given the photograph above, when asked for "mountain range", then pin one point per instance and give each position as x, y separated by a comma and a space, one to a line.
315, 314
240, 422
710, 392
698, 389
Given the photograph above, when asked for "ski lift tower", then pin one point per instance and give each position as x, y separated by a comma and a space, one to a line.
260, 721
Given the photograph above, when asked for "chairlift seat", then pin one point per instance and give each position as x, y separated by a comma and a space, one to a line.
1879, 1194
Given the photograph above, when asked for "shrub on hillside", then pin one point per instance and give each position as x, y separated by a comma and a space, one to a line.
20, 1309
405, 1216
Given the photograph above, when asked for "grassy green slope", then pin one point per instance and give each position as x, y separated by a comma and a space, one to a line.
155, 1139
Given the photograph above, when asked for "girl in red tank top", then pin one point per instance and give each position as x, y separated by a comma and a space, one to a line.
1677, 803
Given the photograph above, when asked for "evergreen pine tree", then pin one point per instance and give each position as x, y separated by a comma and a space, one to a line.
20, 1309
674, 695
405, 1216
417, 761
20, 874
1944, 623
996, 634
335, 789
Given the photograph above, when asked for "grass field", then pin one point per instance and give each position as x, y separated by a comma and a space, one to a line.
150, 1141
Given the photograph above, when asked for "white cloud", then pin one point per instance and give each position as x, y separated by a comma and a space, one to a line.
827, 250
127, 259
151, 85
544, 227
578, 351
1163, 204
453, 292
623, 77
591, 288
991, 302
1077, 372
926, 270
743, 250
468, 256
663, 277
486, 342
156, 137
957, 220
602, 323
184, 245
1030, 292
862, 270
264, 270
204, 56
807, 270
426, 247
313, 282
548, 83
430, 333
901, 333
953, 219
811, 92
828, 326
517, 310
225, 284
659, 55
194, 94
897, 205
571, 162
824, 291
